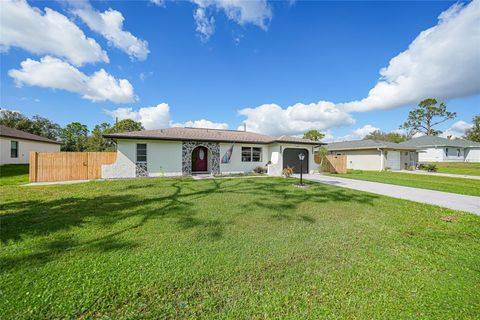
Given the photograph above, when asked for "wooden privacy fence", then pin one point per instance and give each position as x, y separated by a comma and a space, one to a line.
62, 166
331, 163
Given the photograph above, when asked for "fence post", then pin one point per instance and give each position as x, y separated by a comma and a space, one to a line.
33, 167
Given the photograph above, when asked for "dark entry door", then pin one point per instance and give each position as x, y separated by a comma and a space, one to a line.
290, 159
200, 159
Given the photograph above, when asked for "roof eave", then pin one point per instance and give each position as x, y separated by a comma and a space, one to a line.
29, 139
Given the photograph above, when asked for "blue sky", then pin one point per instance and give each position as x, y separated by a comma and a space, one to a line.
258, 58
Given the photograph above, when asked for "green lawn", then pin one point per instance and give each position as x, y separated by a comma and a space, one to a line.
455, 185
13, 174
232, 248
468, 168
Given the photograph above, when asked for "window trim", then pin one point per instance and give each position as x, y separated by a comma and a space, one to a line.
12, 149
251, 156
136, 153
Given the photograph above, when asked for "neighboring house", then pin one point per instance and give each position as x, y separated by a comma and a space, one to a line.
438, 149
186, 151
374, 155
16, 145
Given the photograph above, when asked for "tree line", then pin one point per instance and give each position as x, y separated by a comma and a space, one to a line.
422, 119
75, 136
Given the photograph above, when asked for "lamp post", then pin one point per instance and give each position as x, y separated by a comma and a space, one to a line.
301, 156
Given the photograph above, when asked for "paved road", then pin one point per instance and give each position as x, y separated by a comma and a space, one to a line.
443, 199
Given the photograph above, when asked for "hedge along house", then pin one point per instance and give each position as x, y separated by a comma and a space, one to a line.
187, 151
438, 149
374, 155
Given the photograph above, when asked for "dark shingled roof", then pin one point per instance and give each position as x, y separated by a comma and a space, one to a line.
431, 141
203, 134
365, 144
18, 134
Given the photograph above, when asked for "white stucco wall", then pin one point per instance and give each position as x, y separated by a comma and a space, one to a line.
431, 154
24, 149
236, 164
276, 157
164, 158
124, 167
472, 155
363, 159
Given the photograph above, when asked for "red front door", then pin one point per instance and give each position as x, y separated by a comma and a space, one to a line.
199, 159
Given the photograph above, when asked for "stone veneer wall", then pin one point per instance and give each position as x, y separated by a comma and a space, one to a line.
141, 169
213, 156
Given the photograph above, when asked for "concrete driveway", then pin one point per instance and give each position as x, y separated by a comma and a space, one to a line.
453, 201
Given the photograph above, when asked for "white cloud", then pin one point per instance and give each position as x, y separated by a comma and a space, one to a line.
160, 3
273, 119
202, 124
457, 130
258, 13
54, 73
205, 25
110, 25
154, 117
443, 62
157, 117
358, 133
51, 33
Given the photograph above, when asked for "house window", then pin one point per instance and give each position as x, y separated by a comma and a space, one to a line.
446, 152
458, 152
251, 154
141, 152
13, 149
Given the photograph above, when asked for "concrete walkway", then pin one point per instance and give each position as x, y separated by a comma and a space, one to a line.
451, 175
32, 184
443, 199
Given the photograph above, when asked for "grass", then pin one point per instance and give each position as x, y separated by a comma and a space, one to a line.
13, 174
467, 168
447, 184
232, 249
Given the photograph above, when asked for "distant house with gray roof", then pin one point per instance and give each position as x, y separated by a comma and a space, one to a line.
438, 149
16, 145
374, 154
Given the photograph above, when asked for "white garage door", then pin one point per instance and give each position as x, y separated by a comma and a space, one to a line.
393, 160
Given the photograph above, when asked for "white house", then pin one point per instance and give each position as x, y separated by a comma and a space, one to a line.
16, 145
374, 155
438, 149
186, 151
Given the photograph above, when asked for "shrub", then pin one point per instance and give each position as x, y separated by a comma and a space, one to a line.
430, 167
287, 172
260, 169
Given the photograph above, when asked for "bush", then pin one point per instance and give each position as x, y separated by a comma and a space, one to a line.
287, 172
430, 167
260, 169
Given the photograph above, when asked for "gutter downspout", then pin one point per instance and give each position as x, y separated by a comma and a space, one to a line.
381, 159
